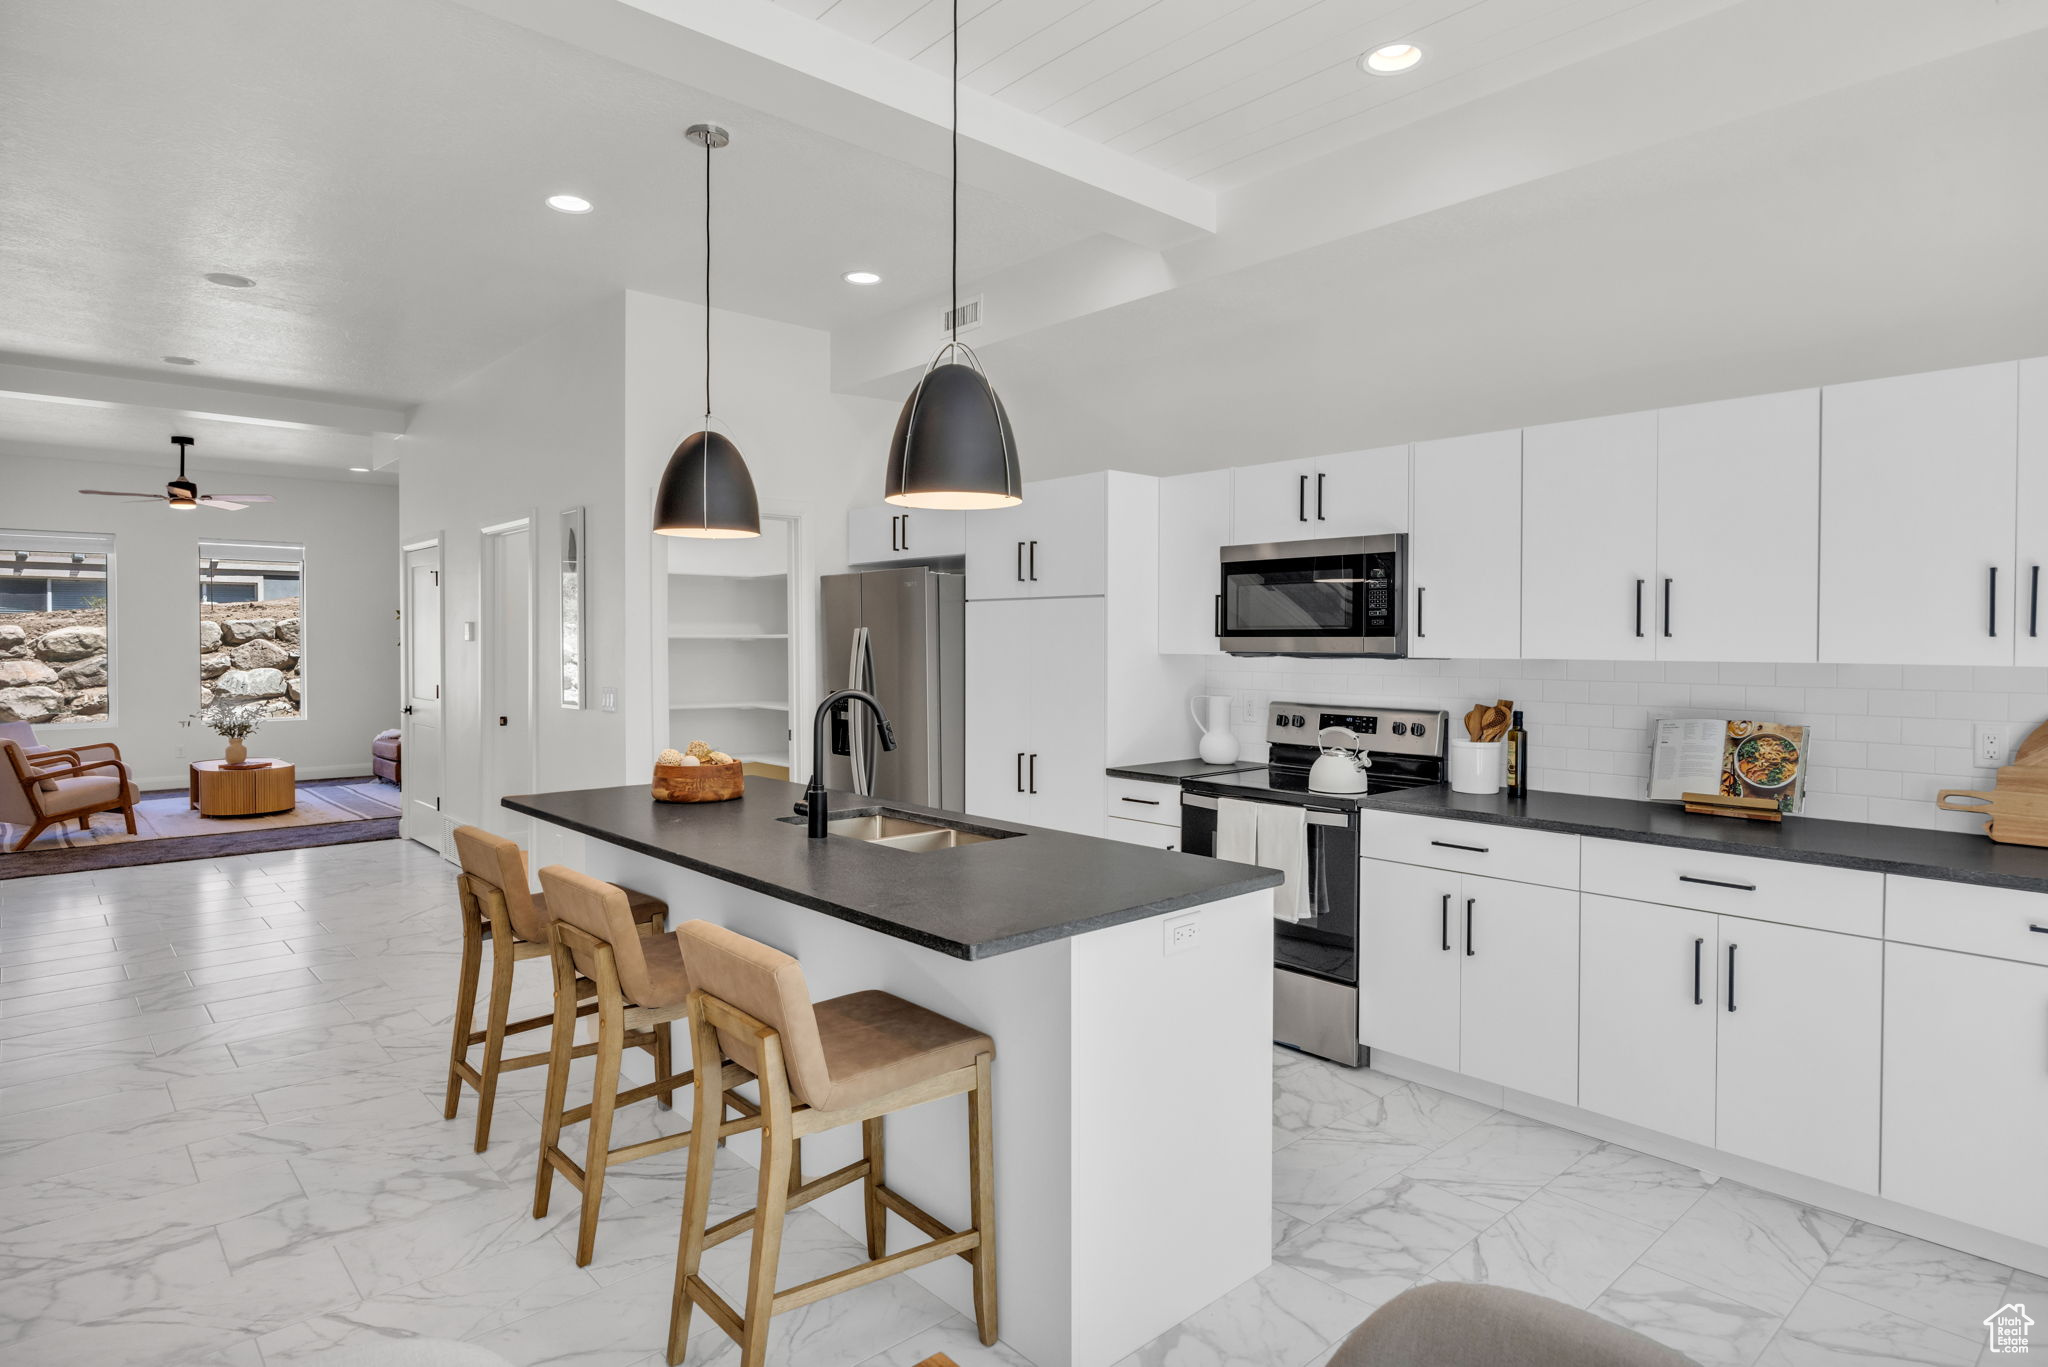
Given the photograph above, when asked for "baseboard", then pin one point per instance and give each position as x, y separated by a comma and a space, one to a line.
150, 783
1859, 1205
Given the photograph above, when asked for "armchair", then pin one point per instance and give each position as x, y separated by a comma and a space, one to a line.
49, 787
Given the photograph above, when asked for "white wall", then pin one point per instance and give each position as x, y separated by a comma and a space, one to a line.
587, 414
351, 592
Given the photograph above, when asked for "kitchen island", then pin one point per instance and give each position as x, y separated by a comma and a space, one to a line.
1129, 992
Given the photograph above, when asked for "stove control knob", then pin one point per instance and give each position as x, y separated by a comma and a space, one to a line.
1281, 719
1298, 721
1416, 729
1400, 728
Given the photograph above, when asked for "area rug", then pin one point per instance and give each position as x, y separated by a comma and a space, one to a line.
335, 811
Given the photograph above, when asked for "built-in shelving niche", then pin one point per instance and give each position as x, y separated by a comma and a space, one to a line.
729, 658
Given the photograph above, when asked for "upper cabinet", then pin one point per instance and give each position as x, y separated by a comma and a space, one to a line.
1052, 545
1465, 548
1194, 524
2030, 631
1738, 529
1589, 539
883, 534
1918, 478
1358, 493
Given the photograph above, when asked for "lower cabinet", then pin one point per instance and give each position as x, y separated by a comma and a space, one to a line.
1966, 1088
1771, 1053
1141, 832
1479, 975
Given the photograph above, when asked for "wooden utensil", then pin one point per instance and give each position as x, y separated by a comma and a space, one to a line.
1475, 721
2034, 749
2017, 809
1720, 804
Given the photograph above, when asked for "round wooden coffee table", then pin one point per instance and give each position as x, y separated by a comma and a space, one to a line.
221, 791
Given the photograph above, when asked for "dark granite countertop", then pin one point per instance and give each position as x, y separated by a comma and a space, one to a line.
1174, 770
1947, 855
971, 901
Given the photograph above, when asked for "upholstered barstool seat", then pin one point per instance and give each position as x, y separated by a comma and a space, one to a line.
875, 1043
500, 910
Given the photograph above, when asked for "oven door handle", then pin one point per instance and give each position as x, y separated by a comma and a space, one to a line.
1317, 816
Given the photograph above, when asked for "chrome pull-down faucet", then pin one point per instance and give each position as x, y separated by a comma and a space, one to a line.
813, 807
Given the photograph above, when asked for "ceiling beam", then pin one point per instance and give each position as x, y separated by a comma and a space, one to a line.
758, 54
107, 388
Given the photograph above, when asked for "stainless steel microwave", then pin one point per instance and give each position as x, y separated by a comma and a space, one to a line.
1339, 596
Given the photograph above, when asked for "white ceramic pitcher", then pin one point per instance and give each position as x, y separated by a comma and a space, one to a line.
1219, 742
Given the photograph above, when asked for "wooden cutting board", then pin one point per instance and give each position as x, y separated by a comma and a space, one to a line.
2017, 809
2034, 749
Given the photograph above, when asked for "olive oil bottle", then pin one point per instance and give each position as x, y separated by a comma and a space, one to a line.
1518, 759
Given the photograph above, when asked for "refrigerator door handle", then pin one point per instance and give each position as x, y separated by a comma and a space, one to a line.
860, 673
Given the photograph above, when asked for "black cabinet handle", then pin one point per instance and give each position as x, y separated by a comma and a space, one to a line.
1699, 947
1020, 771
1993, 622
1034, 562
1716, 883
1469, 849
906, 532
2038, 930
1419, 632
1143, 801
1301, 501
1319, 496
1667, 607
1020, 562
1639, 607
1033, 770
1444, 922
2034, 605
1731, 977
1469, 951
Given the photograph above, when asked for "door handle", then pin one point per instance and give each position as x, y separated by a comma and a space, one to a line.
1639, 607
1034, 562
1667, 607
1319, 496
1419, 632
1731, 977
1699, 949
1033, 769
1444, 922
1020, 771
1469, 951
1993, 602
503, 722
1301, 501
408, 709
1020, 562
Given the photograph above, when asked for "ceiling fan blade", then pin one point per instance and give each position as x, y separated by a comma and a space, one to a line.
240, 498
116, 493
208, 501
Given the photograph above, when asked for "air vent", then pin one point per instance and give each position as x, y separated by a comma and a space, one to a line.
967, 316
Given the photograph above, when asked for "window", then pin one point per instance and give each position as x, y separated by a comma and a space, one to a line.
251, 632
54, 636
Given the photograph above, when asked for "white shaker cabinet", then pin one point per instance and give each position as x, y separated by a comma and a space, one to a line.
1465, 548
1649, 994
1800, 1028
1738, 531
1966, 1058
1052, 545
1356, 493
2030, 629
1035, 711
1518, 1019
1194, 524
883, 534
999, 680
1589, 538
1916, 545
1410, 929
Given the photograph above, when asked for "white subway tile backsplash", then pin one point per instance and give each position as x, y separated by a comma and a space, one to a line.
1884, 738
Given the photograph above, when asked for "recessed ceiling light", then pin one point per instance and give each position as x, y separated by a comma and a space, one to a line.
861, 278
1385, 61
179, 360
569, 204
233, 282
359, 469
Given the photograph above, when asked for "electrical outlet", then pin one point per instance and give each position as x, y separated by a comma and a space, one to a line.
1247, 709
1990, 747
179, 753
1182, 932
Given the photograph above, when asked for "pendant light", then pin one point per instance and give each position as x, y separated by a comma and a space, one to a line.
706, 490
953, 446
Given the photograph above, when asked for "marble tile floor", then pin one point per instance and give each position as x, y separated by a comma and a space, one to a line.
220, 1142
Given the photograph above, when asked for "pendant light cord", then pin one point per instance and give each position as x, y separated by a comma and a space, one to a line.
954, 316
707, 283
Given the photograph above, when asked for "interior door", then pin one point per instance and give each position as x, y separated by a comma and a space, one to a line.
1649, 988
1063, 764
1359, 493
1916, 532
1465, 549
508, 685
2030, 627
1519, 1000
1801, 1021
999, 675
1410, 933
1589, 538
420, 668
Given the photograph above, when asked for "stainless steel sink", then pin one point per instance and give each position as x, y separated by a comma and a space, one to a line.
903, 832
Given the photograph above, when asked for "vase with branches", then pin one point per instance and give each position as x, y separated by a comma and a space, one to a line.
236, 722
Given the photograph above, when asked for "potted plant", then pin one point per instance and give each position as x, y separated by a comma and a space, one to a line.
237, 722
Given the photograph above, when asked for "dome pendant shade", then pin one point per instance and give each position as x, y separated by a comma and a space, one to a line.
706, 491
953, 446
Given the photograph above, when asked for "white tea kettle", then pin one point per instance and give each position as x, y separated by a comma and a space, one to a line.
1339, 769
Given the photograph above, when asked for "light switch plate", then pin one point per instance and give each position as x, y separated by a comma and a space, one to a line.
608, 700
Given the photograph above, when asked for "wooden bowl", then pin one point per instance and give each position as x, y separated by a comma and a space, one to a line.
699, 782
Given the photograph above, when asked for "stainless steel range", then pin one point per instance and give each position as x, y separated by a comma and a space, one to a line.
1315, 961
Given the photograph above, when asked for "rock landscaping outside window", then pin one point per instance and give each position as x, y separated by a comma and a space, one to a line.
250, 632
53, 633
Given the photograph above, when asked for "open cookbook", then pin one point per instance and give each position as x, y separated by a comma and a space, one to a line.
1732, 758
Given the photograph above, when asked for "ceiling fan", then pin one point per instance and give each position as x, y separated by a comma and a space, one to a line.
183, 493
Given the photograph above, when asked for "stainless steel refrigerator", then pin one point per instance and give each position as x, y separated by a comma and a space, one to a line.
900, 634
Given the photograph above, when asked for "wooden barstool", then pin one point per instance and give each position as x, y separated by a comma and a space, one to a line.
499, 909
640, 988
850, 1060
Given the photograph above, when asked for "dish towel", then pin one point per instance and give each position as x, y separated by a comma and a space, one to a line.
1283, 845
1275, 836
